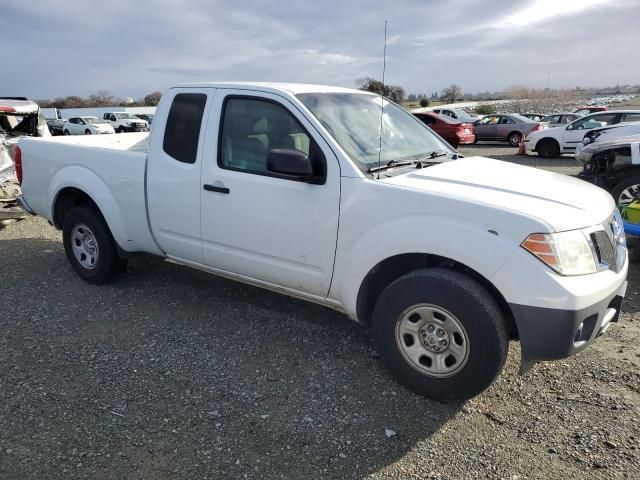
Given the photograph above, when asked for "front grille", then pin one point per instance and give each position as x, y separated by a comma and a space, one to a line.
604, 249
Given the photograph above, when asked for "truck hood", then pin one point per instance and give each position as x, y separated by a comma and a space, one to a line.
560, 201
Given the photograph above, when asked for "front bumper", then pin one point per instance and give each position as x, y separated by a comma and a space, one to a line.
134, 129
551, 333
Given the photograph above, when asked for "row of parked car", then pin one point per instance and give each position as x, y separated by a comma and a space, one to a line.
111, 122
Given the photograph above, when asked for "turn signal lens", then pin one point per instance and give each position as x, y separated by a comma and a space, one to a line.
568, 253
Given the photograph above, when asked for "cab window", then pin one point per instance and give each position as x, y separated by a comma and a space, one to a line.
251, 127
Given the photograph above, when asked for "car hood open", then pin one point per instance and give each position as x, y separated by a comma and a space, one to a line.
562, 202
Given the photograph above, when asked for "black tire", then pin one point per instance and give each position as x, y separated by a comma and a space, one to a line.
66, 132
475, 309
87, 132
548, 148
120, 130
108, 263
633, 247
514, 138
622, 185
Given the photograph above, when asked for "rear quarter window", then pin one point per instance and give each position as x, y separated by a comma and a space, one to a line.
183, 126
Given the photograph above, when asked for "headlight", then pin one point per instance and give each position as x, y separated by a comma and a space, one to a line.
568, 253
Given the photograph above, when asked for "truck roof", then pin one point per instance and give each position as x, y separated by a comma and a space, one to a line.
273, 87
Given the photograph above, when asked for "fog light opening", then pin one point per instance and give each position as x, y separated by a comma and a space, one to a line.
577, 338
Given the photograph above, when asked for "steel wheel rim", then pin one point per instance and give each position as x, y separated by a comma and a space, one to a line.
432, 340
85, 246
629, 194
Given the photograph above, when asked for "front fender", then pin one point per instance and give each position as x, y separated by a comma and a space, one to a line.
89, 182
471, 244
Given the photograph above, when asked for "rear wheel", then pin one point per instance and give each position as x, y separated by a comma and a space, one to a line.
87, 132
120, 130
548, 148
441, 334
89, 246
514, 138
66, 132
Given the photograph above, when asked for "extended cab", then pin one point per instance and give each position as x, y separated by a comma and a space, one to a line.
125, 122
298, 189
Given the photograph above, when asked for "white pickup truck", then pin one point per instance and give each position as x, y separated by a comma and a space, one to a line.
291, 187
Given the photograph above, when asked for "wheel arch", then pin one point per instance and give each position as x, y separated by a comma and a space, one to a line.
392, 268
74, 186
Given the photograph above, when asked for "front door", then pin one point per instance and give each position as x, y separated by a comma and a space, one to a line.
486, 128
257, 224
574, 132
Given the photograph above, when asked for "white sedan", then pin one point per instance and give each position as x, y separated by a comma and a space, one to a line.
552, 142
86, 126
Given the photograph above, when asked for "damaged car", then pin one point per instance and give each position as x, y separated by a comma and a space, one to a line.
19, 117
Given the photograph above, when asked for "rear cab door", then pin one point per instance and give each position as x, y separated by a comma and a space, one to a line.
173, 172
277, 231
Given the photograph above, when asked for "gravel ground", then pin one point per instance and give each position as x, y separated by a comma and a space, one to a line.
173, 373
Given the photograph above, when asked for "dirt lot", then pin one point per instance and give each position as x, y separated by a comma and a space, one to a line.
173, 373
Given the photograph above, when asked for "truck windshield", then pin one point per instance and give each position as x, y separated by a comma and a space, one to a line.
126, 116
353, 120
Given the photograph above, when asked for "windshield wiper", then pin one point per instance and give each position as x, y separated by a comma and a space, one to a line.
391, 164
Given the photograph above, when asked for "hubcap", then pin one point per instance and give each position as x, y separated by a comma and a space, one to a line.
85, 247
629, 194
432, 340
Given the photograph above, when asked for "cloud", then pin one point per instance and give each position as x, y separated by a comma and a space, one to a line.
70, 47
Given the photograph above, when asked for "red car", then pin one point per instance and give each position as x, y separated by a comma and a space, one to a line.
586, 110
452, 130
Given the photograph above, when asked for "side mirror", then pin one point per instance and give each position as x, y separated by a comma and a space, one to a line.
290, 163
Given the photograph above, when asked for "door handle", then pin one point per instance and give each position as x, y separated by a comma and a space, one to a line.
214, 188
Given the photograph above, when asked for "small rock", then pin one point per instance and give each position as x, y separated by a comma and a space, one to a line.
264, 417
9, 451
307, 419
552, 450
610, 444
342, 455
389, 433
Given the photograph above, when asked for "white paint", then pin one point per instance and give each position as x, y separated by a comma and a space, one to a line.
282, 235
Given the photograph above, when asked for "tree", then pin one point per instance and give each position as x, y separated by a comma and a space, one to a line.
152, 99
394, 93
451, 93
424, 103
486, 110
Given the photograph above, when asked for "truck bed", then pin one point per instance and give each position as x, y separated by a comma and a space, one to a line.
111, 169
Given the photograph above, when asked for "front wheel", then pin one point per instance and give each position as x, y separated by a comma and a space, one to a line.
87, 132
548, 148
120, 130
89, 246
626, 191
441, 334
66, 132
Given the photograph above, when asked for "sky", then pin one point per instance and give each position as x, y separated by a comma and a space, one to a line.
77, 47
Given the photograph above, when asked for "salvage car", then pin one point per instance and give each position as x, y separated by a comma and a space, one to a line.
86, 126
19, 117
609, 133
56, 126
505, 127
453, 131
613, 163
342, 198
555, 141
560, 119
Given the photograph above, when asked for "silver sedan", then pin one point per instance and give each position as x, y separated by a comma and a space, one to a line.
508, 127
